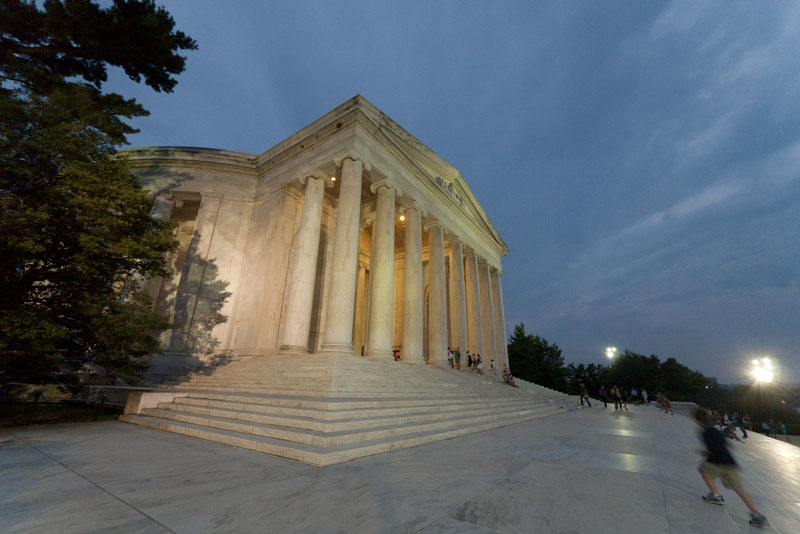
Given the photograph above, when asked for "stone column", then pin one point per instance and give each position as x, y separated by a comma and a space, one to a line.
487, 314
474, 320
381, 297
437, 326
194, 269
499, 321
344, 264
303, 267
361, 309
163, 205
458, 297
413, 305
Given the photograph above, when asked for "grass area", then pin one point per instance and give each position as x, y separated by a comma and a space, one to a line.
21, 414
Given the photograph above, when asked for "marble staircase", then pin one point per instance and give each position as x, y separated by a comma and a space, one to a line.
329, 409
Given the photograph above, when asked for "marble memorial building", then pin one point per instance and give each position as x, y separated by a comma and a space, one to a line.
350, 237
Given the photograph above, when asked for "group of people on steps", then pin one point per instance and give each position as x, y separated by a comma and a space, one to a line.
476, 365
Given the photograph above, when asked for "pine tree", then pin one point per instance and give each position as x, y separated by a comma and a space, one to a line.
75, 222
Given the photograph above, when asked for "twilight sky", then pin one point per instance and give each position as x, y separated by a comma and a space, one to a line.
641, 160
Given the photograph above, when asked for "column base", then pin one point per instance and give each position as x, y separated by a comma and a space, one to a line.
416, 359
294, 349
379, 354
338, 348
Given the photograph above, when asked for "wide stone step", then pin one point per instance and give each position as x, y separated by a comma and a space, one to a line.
353, 419
356, 392
341, 403
321, 456
328, 439
338, 413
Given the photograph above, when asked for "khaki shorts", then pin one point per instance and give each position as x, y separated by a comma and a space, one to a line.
727, 473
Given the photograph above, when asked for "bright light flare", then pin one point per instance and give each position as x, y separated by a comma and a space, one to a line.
611, 352
762, 370
402, 218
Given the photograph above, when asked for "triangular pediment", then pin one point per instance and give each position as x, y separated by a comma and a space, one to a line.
433, 166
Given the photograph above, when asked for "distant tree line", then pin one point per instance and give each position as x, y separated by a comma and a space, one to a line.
534, 359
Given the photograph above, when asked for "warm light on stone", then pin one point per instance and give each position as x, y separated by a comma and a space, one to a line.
268, 261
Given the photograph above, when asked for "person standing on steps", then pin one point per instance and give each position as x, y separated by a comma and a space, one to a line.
494, 367
645, 398
458, 357
450, 357
479, 366
469, 360
585, 395
719, 463
476, 359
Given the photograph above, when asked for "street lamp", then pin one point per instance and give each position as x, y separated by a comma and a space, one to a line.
611, 352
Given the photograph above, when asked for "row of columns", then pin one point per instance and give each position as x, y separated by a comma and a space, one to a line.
477, 320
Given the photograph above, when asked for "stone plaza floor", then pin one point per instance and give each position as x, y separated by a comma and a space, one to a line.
588, 471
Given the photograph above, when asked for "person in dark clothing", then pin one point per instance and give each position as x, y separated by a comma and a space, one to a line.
585, 395
719, 463
604, 396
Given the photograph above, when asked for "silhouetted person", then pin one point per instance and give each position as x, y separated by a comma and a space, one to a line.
720, 464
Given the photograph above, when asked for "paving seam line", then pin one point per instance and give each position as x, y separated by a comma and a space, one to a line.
68, 468
660, 479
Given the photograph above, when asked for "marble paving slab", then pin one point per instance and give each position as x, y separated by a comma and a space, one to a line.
588, 471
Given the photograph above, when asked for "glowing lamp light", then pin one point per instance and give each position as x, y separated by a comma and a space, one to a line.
762, 370
611, 352
333, 178
402, 217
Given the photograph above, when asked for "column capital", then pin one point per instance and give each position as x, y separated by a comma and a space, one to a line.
413, 205
355, 156
433, 223
482, 261
453, 240
469, 252
384, 182
314, 174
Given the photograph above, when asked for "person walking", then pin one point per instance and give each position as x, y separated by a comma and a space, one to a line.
585, 395
604, 396
720, 464
494, 367
645, 398
740, 424
619, 398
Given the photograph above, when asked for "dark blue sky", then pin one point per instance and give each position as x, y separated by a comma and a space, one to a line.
640, 159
